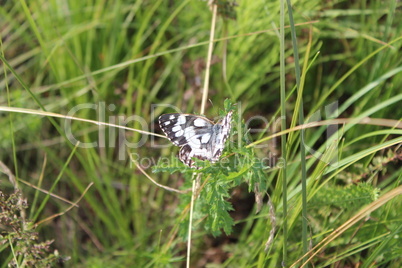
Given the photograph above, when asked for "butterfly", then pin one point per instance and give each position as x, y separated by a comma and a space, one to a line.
196, 135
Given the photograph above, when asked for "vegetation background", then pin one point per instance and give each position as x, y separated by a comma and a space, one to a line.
127, 56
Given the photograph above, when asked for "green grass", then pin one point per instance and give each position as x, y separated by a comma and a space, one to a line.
121, 58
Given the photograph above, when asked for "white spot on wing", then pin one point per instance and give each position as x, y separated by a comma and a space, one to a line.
194, 142
167, 123
199, 122
205, 138
181, 119
176, 128
200, 152
171, 117
189, 133
179, 133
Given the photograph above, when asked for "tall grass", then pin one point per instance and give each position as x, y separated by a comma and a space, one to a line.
98, 61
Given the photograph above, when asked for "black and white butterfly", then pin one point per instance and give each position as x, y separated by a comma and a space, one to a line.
196, 135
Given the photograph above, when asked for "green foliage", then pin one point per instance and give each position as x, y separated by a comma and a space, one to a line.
352, 197
214, 198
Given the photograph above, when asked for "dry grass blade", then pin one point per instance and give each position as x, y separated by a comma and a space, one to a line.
68, 209
47, 192
42, 113
154, 182
339, 121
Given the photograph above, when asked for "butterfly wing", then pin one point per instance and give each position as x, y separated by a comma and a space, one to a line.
221, 134
173, 125
212, 143
196, 135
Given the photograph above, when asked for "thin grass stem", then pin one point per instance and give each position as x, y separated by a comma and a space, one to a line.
203, 103
301, 122
283, 128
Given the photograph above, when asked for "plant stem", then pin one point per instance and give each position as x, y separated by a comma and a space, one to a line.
283, 127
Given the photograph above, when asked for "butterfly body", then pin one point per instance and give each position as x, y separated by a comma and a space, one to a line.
196, 135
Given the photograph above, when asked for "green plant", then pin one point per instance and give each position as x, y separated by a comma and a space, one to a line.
20, 238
